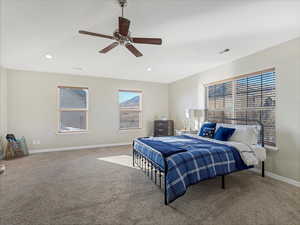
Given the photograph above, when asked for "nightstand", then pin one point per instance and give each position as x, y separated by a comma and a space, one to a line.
163, 128
182, 132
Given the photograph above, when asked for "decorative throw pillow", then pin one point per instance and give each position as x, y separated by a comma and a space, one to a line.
206, 125
208, 132
224, 133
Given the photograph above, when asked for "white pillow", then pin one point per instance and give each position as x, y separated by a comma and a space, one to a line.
247, 134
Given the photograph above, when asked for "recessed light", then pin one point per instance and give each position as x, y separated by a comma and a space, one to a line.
224, 51
48, 56
149, 69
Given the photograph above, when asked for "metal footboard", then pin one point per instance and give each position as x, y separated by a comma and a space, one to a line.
155, 172
151, 169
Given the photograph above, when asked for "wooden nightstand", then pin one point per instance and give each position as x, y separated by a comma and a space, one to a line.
163, 128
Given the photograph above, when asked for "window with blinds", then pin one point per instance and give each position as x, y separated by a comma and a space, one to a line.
220, 101
249, 97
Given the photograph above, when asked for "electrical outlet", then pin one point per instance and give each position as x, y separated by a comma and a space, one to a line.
36, 142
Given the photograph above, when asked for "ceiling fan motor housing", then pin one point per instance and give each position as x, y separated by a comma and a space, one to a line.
123, 3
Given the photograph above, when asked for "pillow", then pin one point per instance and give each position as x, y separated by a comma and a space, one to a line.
224, 133
206, 125
247, 134
208, 132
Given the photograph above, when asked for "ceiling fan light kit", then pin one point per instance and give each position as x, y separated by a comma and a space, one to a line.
122, 36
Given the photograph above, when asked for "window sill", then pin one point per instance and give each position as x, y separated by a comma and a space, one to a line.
71, 132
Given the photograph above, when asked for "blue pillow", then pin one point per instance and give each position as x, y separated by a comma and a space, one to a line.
209, 132
224, 133
206, 125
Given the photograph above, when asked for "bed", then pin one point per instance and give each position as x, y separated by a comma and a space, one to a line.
189, 159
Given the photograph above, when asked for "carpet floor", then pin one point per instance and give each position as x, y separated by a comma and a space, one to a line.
98, 186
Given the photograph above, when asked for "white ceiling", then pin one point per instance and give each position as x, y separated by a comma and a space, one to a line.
193, 32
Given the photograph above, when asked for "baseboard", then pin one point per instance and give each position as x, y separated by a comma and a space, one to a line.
35, 151
278, 177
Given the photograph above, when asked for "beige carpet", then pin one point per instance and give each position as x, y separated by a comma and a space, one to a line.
99, 187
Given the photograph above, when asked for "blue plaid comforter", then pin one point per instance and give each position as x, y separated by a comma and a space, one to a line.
189, 161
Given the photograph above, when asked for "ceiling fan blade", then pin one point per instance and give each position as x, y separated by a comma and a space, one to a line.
150, 41
133, 50
96, 34
110, 47
124, 26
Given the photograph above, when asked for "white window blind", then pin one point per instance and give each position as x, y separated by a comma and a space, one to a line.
250, 97
220, 100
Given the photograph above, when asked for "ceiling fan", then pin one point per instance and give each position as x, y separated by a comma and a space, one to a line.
122, 36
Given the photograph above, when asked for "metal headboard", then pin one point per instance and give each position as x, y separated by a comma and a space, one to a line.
259, 123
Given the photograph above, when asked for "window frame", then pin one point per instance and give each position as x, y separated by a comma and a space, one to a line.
128, 109
59, 110
234, 110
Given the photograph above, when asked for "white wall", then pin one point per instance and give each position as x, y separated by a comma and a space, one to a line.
32, 108
3, 120
189, 93
3, 101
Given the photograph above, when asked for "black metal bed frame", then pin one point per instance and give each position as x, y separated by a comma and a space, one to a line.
156, 172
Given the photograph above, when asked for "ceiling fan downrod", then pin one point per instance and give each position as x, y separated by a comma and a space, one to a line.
123, 3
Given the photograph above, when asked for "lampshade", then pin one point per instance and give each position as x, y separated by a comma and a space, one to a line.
194, 113
197, 113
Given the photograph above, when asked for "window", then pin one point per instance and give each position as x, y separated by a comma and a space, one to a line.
220, 100
250, 97
130, 103
73, 109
